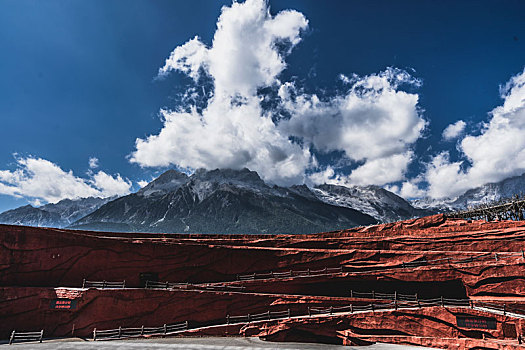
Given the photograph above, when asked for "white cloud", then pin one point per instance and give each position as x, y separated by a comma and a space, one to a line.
452, 131
143, 183
109, 186
496, 153
187, 58
93, 162
327, 176
408, 189
382, 171
373, 123
233, 131
379, 172
41, 180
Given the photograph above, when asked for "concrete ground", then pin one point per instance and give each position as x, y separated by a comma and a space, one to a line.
192, 344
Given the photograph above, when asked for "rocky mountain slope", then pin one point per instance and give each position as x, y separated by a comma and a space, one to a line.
221, 201
375, 201
59, 214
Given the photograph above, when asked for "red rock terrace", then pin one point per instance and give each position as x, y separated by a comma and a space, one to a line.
437, 282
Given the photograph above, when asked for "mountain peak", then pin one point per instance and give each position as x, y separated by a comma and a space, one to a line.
168, 181
244, 176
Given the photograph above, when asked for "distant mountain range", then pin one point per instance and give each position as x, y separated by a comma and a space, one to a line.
239, 201
221, 201
484, 194
60, 214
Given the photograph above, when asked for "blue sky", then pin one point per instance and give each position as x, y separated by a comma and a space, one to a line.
79, 81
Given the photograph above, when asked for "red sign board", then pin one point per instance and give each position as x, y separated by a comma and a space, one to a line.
476, 322
64, 304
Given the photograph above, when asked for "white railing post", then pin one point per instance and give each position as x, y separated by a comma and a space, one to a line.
12, 338
94, 334
41, 335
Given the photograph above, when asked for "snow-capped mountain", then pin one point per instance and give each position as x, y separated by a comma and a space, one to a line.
225, 201
168, 181
221, 201
375, 201
59, 214
484, 194
31, 216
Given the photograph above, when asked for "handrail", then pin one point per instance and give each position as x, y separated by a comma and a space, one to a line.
506, 209
206, 286
218, 286
103, 284
133, 332
121, 333
342, 269
26, 336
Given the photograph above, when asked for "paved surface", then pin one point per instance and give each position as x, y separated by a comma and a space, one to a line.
193, 344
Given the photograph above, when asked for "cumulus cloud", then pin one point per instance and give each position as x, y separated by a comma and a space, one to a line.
39, 180
496, 153
372, 121
452, 131
233, 131
93, 162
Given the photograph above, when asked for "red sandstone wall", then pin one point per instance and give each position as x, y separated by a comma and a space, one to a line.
28, 309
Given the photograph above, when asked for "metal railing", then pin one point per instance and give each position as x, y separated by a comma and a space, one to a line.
402, 265
504, 209
326, 271
122, 333
384, 296
26, 336
203, 286
395, 304
103, 284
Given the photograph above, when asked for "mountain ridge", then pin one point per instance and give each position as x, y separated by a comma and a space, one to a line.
60, 214
223, 200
